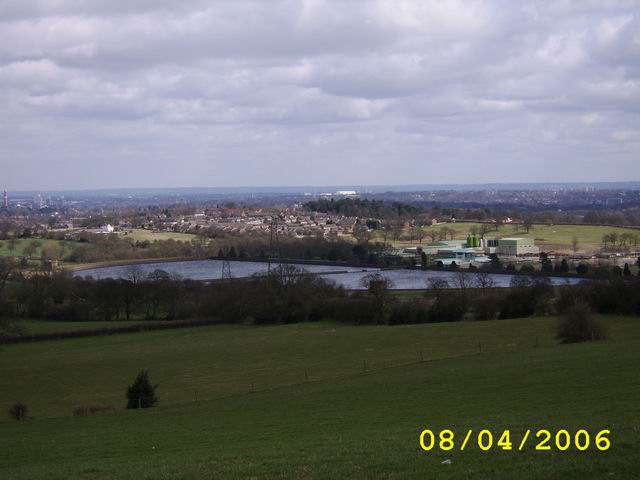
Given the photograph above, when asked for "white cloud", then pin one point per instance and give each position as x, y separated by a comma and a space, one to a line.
626, 135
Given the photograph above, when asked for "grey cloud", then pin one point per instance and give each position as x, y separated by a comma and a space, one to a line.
319, 91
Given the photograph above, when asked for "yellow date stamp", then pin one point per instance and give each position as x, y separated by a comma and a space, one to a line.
561, 440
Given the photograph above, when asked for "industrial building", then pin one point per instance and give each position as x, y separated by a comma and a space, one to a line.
515, 246
476, 250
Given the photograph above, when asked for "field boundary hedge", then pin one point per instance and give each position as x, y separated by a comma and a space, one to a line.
142, 327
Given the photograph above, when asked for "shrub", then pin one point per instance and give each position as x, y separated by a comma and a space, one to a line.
486, 307
357, 309
528, 296
567, 297
449, 308
582, 268
141, 393
578, 325
407, 313
18, 411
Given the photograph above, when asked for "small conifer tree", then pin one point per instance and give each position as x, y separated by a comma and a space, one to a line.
141, 393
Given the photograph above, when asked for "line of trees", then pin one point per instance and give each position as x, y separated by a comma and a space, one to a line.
620, 241
363, 208
288, 295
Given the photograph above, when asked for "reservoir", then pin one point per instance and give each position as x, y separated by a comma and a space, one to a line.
348, 277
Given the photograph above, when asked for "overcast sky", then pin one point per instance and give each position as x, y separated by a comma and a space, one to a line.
166, 93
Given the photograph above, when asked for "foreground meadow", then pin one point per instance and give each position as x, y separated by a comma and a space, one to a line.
321, 401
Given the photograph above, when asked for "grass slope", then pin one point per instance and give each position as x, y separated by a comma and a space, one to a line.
139, 234
342, 424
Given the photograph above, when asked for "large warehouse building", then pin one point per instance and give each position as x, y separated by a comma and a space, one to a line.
516, 246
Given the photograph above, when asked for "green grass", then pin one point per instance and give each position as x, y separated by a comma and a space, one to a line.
342, 424
548, 237
142, 235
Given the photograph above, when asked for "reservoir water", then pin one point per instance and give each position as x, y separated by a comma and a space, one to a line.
348, 277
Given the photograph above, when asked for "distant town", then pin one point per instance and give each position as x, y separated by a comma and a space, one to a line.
437, 228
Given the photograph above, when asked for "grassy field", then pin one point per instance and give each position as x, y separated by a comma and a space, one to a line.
547, 237
23, 242
142, 235
136, 235
343, 423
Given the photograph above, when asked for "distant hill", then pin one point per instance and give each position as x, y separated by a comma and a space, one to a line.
299, 190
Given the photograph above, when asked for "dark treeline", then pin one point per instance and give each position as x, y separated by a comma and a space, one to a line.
286, 295
474, 297
365, 208
421, 211
289, 295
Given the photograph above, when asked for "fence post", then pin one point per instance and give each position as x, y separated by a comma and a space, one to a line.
364, 365
421, 357
480, 347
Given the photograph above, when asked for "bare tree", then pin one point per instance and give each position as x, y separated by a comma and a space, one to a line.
376, 283
199, 243
446, 231
29, 250
52, 251
463, 281
286, 275
574, 244
158, 275
437, 285
362, 234
624, 238
484, 281
378, 286
527, 223
397, 229
12, 243
135, 274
